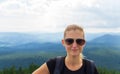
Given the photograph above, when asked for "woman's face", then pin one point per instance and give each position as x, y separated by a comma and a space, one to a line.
74, 47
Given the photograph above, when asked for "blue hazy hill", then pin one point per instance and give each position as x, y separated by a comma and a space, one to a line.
28, 47
15, 42
15, 38
107, 39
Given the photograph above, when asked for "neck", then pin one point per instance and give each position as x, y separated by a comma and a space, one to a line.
73, 60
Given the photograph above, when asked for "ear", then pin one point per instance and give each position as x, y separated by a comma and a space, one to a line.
84, 44
63, 42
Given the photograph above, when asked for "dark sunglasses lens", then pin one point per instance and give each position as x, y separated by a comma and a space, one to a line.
69, 41
80, 41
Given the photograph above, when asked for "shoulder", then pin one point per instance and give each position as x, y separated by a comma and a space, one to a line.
90, 66
88, 61
42, 70
51, 63
46, 68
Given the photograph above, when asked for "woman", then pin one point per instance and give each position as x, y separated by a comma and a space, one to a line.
74, 63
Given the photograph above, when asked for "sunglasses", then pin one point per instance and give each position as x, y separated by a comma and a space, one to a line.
70, 41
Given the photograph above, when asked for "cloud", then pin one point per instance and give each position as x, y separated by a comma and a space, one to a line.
55, 15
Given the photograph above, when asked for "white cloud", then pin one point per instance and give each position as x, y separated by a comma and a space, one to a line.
102, 30
54, 15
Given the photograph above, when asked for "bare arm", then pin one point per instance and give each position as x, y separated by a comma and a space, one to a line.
42, 70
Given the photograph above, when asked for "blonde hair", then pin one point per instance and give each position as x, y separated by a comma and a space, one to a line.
73, 27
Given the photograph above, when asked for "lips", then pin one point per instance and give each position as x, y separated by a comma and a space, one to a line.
74, 49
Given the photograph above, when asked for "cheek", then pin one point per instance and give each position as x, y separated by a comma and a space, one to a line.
67, 48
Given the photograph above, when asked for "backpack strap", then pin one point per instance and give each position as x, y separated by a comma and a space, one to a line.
58, 65
90, 66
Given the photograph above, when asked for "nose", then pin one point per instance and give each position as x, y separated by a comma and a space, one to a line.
74, 44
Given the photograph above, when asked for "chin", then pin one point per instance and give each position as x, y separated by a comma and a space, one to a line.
75, 54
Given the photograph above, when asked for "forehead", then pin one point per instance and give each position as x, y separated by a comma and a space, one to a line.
74, 34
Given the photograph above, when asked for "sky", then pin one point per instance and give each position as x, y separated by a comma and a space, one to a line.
95, 16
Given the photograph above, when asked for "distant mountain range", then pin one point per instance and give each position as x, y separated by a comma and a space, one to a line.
8, 39
15, 38
20, 38
20, 41
106, 40
28, 47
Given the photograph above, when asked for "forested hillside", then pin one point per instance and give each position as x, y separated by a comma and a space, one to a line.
32, 67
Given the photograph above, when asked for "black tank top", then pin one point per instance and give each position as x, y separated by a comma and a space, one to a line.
82, 70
